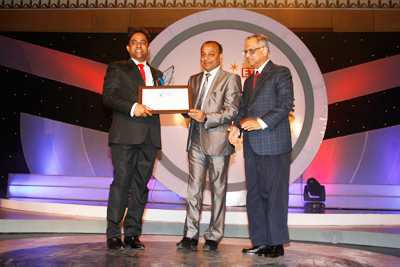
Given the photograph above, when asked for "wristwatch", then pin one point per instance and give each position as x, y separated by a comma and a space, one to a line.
205, 119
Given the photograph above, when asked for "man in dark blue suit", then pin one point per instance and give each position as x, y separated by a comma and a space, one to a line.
134, 139
267, 99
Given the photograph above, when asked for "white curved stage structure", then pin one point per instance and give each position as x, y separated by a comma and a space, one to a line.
69, 162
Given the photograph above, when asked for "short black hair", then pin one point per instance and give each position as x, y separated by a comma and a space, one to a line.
214, 42
141, 30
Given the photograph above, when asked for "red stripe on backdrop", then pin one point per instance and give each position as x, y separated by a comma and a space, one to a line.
51, 64
362, 79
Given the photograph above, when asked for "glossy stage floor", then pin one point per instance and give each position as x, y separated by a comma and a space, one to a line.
55, 236
161, 251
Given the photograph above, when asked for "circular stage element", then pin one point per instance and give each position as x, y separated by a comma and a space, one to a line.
179, 45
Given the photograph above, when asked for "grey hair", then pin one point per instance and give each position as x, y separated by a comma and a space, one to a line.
262, 40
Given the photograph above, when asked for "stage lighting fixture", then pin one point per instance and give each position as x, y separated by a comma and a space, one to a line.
314, 196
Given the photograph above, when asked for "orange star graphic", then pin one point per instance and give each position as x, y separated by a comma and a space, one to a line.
234, 67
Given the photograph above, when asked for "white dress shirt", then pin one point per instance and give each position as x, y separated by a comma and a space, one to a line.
149, 80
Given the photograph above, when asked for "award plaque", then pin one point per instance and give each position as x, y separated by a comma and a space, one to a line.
166, 99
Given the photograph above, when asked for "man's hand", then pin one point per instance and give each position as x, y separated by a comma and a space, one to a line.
250, 124
197, 115
233, 136
142, 110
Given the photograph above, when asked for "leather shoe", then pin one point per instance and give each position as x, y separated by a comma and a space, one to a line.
187, 242
115, 243
272, 251
210, 245
133, 242
253, 250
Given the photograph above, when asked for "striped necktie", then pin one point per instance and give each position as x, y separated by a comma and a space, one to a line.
202, 92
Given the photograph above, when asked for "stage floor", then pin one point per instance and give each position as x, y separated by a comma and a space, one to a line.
352, 227
32, 238
90, 250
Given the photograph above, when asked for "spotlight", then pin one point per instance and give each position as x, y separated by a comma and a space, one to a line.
314, 196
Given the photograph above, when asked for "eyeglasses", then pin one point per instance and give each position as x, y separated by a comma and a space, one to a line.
251, 51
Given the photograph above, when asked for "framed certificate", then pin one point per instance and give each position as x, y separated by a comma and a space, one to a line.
166, 99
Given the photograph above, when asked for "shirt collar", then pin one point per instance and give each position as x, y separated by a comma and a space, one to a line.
260, 69
214, 71
137, 62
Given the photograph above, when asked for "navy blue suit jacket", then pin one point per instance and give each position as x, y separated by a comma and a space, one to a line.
271, 100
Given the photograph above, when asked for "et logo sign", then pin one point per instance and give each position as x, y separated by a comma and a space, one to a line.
246, 72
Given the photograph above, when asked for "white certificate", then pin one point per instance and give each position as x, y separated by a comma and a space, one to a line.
166, 99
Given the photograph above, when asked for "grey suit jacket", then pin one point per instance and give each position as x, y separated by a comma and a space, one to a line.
120, 92
221, 107
271, 100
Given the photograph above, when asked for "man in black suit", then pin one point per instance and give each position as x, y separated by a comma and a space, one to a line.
134, 139
263, 117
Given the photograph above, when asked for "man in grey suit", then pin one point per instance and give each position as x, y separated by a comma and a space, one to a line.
266, 102
134, 139
216, 96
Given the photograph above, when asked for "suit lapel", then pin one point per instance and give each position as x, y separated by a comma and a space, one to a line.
266, 72
247, 90
214, 86
197, 87
135, 69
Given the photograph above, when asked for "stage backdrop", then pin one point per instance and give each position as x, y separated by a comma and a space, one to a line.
179, 46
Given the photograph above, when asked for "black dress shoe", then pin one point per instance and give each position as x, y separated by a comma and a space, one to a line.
115, 243
187, 242
210, 245
133, 242
253, 250
272, 251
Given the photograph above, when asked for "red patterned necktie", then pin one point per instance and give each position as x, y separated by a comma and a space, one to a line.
255, 79
142, 72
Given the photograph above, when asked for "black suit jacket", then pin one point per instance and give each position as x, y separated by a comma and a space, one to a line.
120, 92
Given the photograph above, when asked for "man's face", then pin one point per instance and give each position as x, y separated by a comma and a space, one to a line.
259, 56
138, 47
210, 56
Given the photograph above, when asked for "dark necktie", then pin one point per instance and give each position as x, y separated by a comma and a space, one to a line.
142, 72
255, 79
203, 92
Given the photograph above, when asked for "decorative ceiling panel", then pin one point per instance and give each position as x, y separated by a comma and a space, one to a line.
201, 4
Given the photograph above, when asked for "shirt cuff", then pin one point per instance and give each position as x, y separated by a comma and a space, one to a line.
262, 123
133, 110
